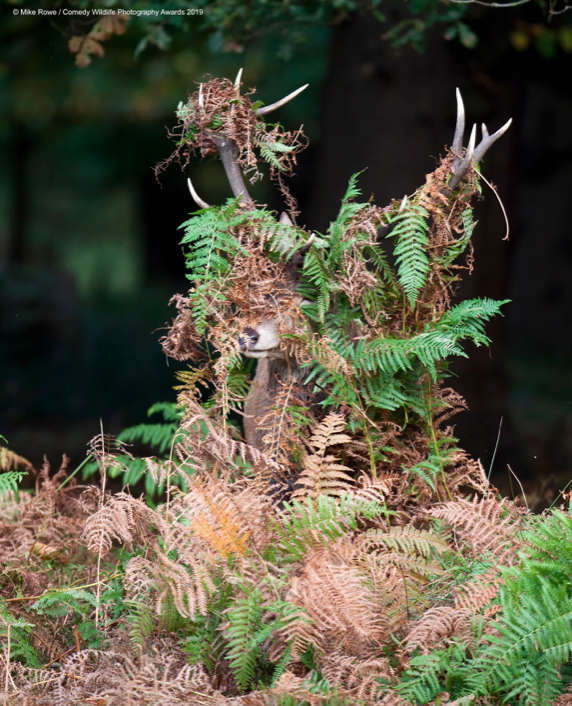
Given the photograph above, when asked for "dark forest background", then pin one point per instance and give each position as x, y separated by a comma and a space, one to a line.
89, 253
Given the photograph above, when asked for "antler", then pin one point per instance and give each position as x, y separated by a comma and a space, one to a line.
228, 150
274, 106
461, 165
196, 197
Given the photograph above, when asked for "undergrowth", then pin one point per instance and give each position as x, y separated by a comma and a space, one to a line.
356, 556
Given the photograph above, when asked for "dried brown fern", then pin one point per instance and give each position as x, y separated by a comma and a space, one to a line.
335, 593
489, 526
10, 461
437, 627
322, 473
124, 519
358, 678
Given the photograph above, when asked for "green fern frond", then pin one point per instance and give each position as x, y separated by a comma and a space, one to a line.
142, 624
210, 244
411, 249
245, 633
10, 480
320, 521
268, 150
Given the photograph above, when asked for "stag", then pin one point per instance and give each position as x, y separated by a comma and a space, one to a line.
264, 340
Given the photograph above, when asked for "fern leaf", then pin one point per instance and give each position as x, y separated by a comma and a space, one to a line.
411, 249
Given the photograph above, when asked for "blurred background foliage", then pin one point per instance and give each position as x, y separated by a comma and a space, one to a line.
89, 253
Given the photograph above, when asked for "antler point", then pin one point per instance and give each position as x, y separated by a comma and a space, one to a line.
196, 197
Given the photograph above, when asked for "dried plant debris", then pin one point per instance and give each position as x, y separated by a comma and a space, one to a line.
336, 547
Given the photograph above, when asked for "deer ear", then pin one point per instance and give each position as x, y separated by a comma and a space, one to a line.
285, 219
296, 262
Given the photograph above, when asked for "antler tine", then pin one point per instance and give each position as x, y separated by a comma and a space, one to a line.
196, 197
274, 106
457, 146
285, 219
306, 247
238, 78
465, 164
470, 148
488, 140
200, 95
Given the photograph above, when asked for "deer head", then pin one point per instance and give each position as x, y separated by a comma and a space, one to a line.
264, 339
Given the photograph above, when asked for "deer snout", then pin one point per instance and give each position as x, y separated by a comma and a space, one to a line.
262, 341
247, 339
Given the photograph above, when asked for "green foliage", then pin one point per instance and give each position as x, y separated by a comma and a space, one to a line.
319, 522
386, 370
268, 152
20, 637
142, 624
410, 232
521, 658
59, 603
203, 640
250, 624
325, 259
10, 480
159, 436
245, 633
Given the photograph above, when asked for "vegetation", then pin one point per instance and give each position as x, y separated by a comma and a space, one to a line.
231, 24
390, 574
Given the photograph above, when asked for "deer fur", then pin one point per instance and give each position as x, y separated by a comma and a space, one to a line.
275, 365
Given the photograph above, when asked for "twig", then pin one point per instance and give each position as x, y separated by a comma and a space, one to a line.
57, 659
494, 453
495, 192
522, 489
9, 628
63, 590
491, 4
560, 494
44, 681
76, 635
43, 641
103, 471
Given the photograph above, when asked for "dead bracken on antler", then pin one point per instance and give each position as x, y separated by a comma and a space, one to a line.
228, 149
218, 120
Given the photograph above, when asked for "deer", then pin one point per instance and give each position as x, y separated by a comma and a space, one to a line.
264, 341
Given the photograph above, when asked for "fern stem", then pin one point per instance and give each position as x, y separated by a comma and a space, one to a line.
7, 659
103, 471
370, 446
51, 591
67, 480
169, 478
435, 445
